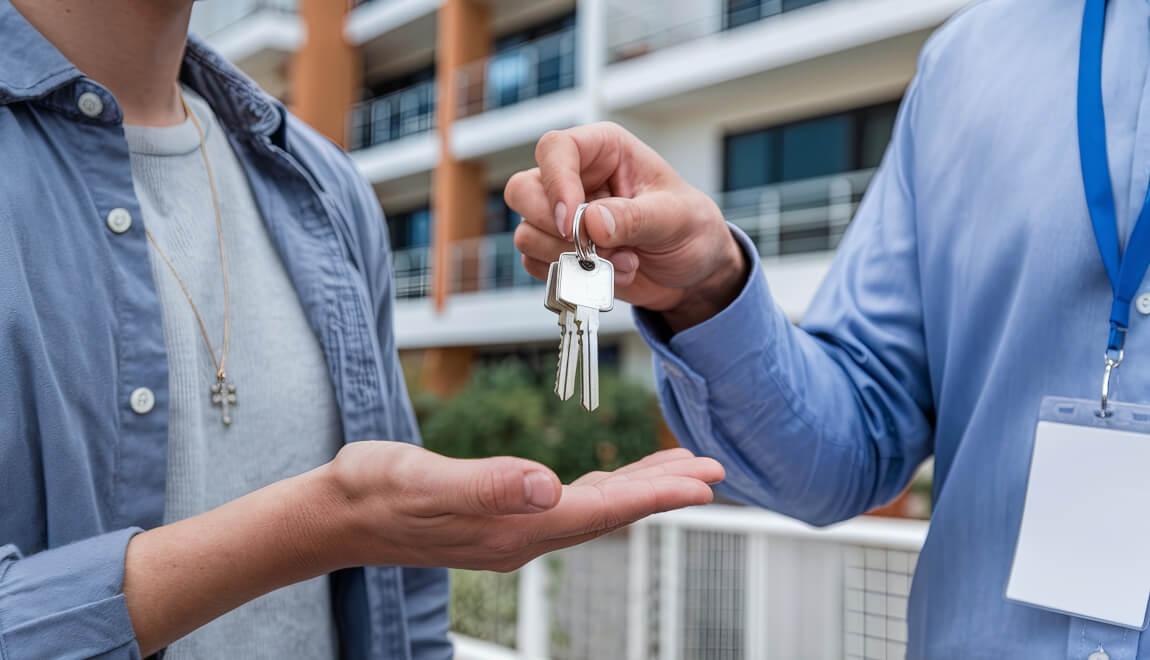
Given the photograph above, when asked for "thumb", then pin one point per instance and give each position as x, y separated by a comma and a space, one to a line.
494, 486
648, 221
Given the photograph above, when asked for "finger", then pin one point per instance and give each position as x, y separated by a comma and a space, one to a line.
646, 222
650, 460
664, 456
486, 487
539, 244
526, 196
616, 502
706, 470
560, 170
536, 268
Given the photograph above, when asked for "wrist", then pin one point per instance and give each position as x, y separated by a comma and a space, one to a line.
716, 292
321, 522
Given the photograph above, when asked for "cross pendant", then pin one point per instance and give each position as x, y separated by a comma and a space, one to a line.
224, 396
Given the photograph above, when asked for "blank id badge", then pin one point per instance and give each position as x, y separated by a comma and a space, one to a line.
1084, 542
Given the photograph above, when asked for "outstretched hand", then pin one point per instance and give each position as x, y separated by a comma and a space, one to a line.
414, 507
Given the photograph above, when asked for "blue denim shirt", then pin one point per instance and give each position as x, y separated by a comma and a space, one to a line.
80, 328
968, 287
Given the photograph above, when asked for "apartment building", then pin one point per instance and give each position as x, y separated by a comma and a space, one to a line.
781, 109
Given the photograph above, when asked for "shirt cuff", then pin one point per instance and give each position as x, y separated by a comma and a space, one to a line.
66, 602
709, 350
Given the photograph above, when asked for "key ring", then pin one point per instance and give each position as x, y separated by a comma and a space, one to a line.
586, 257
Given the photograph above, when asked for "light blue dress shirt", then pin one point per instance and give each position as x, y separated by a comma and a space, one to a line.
81, 469
968, 287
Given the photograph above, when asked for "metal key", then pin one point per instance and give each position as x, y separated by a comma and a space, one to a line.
564, 385
586, 285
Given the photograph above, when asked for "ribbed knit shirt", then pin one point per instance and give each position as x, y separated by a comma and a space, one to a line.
286, 419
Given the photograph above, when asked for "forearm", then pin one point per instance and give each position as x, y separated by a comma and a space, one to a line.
181, 576
817, 427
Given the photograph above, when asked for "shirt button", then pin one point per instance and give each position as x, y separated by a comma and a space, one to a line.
119, 220
91, 104
143, 400
1144, 304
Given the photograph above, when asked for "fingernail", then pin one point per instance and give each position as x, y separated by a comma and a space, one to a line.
561, 218
539, 490
608, 220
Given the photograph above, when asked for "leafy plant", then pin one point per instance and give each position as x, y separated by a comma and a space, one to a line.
508, 410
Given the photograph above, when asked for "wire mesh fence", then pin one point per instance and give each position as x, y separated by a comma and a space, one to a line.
717, 583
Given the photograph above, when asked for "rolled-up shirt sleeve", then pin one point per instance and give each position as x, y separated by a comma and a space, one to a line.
67, 602
828, 420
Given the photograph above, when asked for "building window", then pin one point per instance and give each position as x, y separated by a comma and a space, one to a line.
532, 63
793, 187
821, 146
743, 12
410, 229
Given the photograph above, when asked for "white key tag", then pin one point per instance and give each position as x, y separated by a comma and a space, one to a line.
1083, 545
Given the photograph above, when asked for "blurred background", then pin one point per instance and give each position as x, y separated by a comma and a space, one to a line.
781, 109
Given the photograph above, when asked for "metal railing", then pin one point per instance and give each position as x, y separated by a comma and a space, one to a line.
212, 17
487, 263
518, 74
396, 115
638, 27
412, 267
795, 217
713, 583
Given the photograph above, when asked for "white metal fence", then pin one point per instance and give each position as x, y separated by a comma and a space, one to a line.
712, 583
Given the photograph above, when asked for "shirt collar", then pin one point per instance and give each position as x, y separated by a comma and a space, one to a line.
32, 68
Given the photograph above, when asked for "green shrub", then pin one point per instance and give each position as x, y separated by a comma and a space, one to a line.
508, 410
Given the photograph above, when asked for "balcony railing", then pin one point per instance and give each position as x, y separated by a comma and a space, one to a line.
212, 17
412, 268
396, 115
487, 263
636, 28
714, 583
801, 216
518, 74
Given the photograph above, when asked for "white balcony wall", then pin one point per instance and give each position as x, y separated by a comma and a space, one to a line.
818, 30
515, 125
393, 160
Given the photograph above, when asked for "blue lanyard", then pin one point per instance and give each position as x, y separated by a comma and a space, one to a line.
1124, 270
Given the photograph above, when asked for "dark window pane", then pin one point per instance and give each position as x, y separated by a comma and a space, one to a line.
877, 128
795, 4
816, 148
750, 160
410, 229
742, 12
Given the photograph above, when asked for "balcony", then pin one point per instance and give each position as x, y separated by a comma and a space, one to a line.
517, 74
704, 54
797, 217
393, 116
713, 582
638, 28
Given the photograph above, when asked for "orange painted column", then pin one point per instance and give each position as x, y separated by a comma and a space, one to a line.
459, 188
327, 72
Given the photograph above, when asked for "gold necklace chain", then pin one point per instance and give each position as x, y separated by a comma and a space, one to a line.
223, 392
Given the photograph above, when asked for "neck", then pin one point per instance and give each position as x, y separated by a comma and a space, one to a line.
132, 47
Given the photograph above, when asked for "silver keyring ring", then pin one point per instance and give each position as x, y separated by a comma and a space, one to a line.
588, 255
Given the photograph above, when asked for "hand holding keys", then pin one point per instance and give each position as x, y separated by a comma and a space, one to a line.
579, 286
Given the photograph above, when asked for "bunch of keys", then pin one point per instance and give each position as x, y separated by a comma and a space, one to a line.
579, 286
